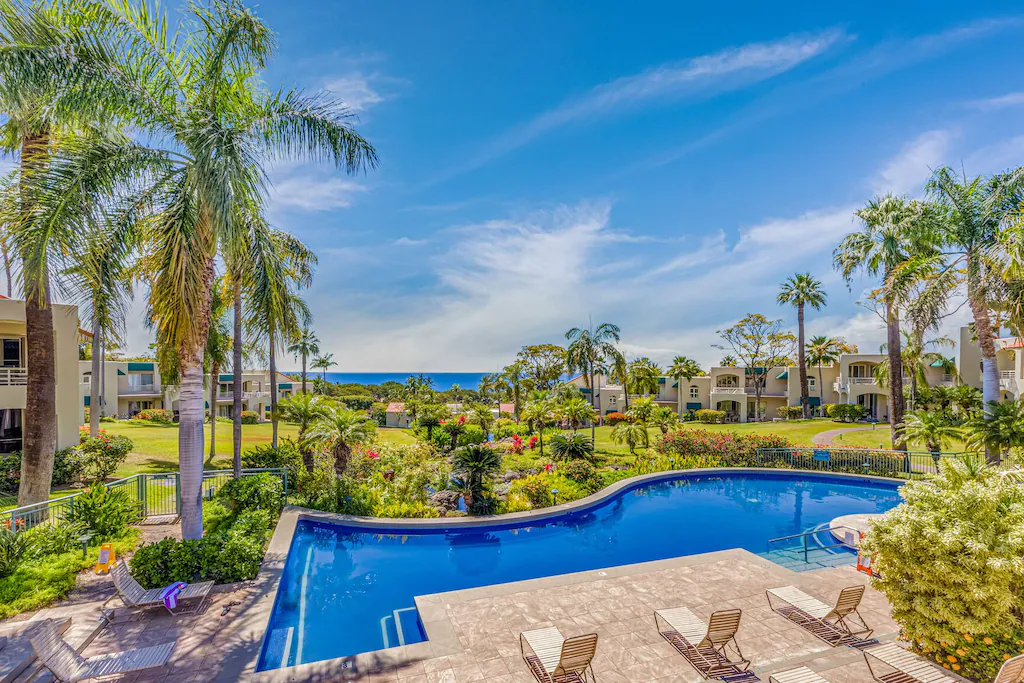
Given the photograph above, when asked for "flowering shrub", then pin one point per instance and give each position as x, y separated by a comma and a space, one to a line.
613, 419
535, 491
533, 442
710, 416
157, 415
949, 561
102, 455
729, 448
250, 417
517, 445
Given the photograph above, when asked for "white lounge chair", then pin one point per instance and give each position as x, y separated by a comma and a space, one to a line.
706, 646
890, 663
134, 595
556, 659
1012, 671
840, 624
800, 674
68, 666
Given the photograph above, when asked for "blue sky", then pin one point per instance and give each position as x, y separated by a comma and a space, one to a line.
656, 165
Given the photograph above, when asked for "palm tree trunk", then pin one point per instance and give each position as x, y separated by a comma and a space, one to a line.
821, 393
7, 267
801, 359
593, 404
342, 452
986, 340
893, 347
303, 372
236, 384
40, 414
190, 446
94, 380
273, 390
214, 386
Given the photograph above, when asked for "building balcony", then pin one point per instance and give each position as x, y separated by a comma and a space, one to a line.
728, 390
142, 390
1007, 379
13, 377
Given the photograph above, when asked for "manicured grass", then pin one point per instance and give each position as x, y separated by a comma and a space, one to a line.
156, 446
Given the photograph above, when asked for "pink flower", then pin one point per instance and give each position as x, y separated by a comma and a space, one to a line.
373, 455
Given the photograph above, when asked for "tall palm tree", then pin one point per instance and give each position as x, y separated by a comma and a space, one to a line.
588, 348
337, 431
822, 350
303, 409
325, 363
618, 371
973, 213
644, 375
576, 411
218, 346
304, 346
540, 411
512, 382
917, 358
801, 291
894, 231
683, 368
199, 92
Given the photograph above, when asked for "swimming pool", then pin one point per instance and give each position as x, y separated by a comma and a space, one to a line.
347, 590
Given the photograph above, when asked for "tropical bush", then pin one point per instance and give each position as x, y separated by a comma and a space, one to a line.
356, 401
54, 539
730, 449
846, 412
155, 415
581, 472
613, 419
105, 512
505, 428
257, 492
102, 455
572, 446
536, 491
378, 413
14, 547
250, 417
475, 467
949, 561
708, 416
285, 455
67, 467
790, 412
402, 509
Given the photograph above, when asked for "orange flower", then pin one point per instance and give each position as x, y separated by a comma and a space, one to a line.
956, 667
951, 658
1006, 656
968, 637
961, 651
987, 640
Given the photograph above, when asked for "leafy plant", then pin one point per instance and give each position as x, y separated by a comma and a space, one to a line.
614, 418
258, 492
250, 417
105, 512
573, 446
155, 415
102, 455
286, 454
54, 539
13, 548
581, 472
710, 416
537, 490
475, 464
406, 510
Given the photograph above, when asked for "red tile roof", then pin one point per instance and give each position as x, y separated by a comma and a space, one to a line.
506, 407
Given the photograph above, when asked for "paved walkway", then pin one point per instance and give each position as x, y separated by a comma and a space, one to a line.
825, 438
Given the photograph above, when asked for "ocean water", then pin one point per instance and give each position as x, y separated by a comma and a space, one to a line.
443, 381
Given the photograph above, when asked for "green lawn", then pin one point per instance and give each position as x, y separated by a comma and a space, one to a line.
156, 446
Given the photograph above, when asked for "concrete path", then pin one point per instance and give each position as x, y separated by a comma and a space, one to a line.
825, 438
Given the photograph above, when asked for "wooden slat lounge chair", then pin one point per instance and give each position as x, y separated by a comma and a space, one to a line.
801, 674
68, 666
890, 663
706, 646
555, 659
190, 600
1012, 671
837, 625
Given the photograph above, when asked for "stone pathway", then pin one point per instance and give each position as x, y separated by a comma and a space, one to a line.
825, 438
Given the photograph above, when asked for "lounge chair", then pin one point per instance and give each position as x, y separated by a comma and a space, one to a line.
838, 625
890, 663
1012, 671
801, 674
555, 659
706, 646
135, 596
67, 665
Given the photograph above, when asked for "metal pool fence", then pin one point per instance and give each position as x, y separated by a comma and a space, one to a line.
885, 463
155, 494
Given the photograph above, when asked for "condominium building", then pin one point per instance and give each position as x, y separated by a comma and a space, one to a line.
14, 373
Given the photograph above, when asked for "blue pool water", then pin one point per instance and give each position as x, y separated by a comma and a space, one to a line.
343, 587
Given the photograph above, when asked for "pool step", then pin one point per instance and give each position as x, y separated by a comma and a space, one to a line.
402, 627
817, 558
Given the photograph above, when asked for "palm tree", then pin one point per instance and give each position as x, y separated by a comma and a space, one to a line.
997, 429
802, 290
930, 428
664, 418
967, 399
475, 464
337, 431
576, 411
641, 413
822, 350
325, 363
618, 371
430, 417
894, 232
683, 368
220, 125
540, 411
512, 382
630, 433
587, 348
483, 416
973, 212
303, 409
644, 375
728, 361
571, 447
304, 346
916, 361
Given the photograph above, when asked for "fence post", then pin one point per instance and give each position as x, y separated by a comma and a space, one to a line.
177, 493
140, 493
805, 548
286, 482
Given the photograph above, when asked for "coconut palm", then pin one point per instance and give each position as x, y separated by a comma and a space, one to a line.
572, 447
641, 413
664, 418
483, 417
199, 92
930, 428
303, 409
337, 431
801, 291
325, 363
916, 361
683, 368
973, 213
618, 371
576, 411
587, 349
303, 346
474, 465
630, 433
822, 350
539, 412
643, 376
997, 429
894, 231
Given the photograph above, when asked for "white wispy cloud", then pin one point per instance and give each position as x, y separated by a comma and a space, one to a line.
355, 90
701, 76
408, 242
1013, 99
314, 193
907, 172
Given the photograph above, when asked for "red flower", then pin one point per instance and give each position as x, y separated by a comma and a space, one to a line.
373, 455
462, 419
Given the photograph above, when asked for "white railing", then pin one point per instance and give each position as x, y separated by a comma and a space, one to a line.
861, 380
728, 390
1007, 374
252, 394
13, 377
141, 389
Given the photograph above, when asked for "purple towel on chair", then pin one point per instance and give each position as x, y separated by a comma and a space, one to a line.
170, 594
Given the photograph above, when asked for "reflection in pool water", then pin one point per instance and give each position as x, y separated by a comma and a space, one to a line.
344, 589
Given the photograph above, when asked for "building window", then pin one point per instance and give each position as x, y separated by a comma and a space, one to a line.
10, 430
611, 400
140, 381
12, 353
694, 392
810, 382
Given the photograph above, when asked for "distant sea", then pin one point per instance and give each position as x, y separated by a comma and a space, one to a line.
443, 381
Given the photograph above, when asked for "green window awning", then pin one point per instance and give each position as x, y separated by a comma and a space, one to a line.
755, 371
225, 378
284, 386
661, 380
813, 401
939, 363
121, 373
693, 405
87, 398
783, 375
140, 367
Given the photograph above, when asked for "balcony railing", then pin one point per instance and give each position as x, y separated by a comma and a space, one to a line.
13, 377
1007, 379
140, 389
728, 390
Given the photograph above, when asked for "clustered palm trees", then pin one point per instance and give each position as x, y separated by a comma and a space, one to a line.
141, 155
